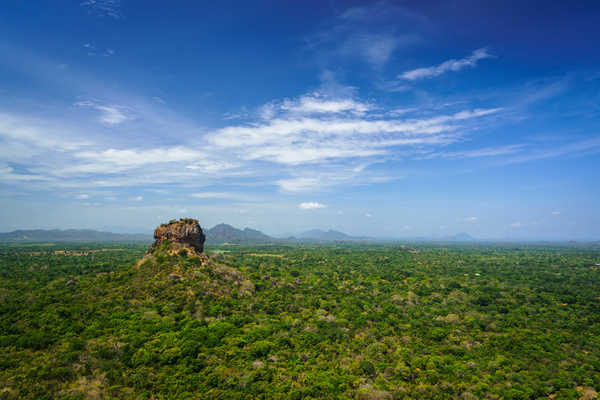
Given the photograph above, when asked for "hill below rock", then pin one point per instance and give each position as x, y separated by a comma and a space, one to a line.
176, 274
176, 256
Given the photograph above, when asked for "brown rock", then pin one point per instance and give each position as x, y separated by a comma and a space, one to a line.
185, 233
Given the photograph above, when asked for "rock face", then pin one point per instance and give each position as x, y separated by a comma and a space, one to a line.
183, 234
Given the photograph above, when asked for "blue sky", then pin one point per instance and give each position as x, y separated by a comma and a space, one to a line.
389, 118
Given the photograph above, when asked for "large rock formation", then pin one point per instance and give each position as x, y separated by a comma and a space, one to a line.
183, 234
176, 259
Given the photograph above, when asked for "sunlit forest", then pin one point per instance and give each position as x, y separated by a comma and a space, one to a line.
355, 321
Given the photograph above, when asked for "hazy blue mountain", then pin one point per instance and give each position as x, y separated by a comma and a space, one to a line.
224, 233
70, 235
327, 236
459, 237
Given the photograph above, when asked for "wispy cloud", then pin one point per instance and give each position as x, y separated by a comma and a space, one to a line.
376, 49
299, 184
36, 134
118, 160
482, 152
316, 103
290, 139
9, 175
332, 137
109, 114
446, 66
319, 178
216, 195
372, 34
579, 148
311, 205
93, 51
112, 115
104, 8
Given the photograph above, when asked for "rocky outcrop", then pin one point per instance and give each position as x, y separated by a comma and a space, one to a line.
185, 233
176, 259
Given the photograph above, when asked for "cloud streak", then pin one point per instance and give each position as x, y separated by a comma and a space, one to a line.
104, 8
371, 34
452, 65
303, 144
482, 152
109, 114
311, 205
292, 139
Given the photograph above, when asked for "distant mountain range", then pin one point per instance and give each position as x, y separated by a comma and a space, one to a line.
222, 233
70, 235
459, 237
327, 236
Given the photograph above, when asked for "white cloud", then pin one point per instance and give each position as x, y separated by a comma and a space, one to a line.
471, 219
311, 205
292, 139
446, 66
82, 196
118, 160
515, 225
401, 111
36, 134
332, 137
112, 115
299, 184
211, 166
555, 212
316, 103
136, 198
323, 177
109, 114
268, 111
215, 195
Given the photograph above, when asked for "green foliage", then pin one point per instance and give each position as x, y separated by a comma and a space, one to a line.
182, 252
300, 322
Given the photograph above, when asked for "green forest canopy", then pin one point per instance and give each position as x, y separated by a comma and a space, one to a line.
276, 322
